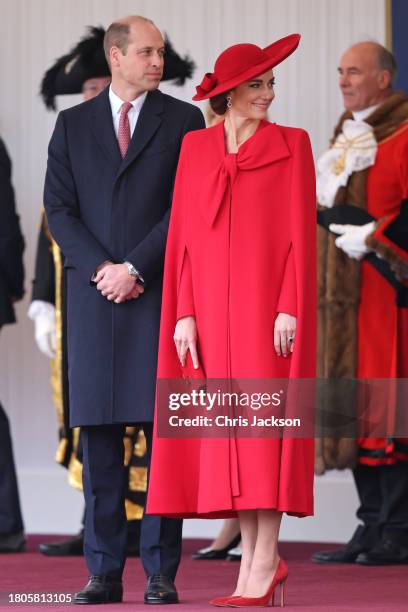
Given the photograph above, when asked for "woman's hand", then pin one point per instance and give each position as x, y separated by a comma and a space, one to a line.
284, 334
185, 338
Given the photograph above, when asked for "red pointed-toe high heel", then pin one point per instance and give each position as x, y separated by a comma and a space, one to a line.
223, 602
280, 577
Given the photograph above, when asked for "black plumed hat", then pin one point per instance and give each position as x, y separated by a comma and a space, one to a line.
87, 60
175, 67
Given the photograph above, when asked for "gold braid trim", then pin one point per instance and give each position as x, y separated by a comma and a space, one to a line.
56, 362
75, 473
140, 446
61, 451
134, 512
138, 479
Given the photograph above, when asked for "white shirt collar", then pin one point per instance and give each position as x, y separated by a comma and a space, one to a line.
361, 115
116, 102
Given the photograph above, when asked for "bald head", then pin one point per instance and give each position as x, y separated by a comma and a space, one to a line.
366, 73
376, 55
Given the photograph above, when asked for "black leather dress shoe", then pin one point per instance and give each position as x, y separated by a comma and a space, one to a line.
345, 554
12, 542
71, 547
100, 590
160, 590
211, 554
386, 552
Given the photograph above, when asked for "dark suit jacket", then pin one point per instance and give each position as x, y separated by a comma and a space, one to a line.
101, 207
11, 244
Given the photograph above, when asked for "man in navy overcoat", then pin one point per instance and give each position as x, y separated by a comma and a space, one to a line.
108, 188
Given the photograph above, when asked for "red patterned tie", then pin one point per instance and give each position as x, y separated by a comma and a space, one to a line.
124, 128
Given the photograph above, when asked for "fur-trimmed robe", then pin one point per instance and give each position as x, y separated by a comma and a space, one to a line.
339, 289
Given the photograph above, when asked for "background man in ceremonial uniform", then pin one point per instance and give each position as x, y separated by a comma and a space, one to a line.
11, 290
111, 167
363, 307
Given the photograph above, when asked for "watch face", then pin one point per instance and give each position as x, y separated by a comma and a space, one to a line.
133, 272
131, 269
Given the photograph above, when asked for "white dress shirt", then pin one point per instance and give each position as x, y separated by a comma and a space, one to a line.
133, 114
362, 115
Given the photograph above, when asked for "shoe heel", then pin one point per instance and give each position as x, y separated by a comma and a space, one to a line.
282, 593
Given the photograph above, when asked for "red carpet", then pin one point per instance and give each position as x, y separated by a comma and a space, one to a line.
310, 587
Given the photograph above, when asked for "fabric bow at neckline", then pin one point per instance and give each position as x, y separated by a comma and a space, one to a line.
265, 147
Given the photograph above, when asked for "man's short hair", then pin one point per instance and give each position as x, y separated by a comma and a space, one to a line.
117, 34
387, 61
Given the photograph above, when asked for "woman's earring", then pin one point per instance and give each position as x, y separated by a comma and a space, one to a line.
229, 102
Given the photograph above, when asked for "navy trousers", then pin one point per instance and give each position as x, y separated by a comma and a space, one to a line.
10, 513
105, 482
383, 493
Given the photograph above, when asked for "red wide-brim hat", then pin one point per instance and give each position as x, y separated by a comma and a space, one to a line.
243, 62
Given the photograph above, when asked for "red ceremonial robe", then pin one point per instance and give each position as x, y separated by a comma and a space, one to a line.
241, 248
382, 326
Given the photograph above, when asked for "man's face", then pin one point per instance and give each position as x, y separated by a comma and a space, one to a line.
361, 80
93, 87
141, 67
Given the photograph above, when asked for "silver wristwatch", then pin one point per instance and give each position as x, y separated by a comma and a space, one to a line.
133, 272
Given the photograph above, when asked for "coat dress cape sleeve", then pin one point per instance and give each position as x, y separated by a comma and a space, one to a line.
241, 248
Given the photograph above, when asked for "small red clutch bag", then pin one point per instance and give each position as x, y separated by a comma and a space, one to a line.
189, 371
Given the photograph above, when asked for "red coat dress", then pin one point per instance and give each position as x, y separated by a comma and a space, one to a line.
382, 327
241, 248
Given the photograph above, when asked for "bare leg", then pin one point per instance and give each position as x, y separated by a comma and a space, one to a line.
229, 531
248, 523
265, 556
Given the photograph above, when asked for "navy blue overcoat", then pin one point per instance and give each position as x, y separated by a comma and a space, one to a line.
99, 208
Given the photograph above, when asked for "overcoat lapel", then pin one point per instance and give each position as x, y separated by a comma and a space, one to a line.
102, 127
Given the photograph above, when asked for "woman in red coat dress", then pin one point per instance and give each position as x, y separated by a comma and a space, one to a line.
240, 296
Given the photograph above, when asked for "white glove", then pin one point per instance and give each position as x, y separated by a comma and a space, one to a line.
43, 315
352, 238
